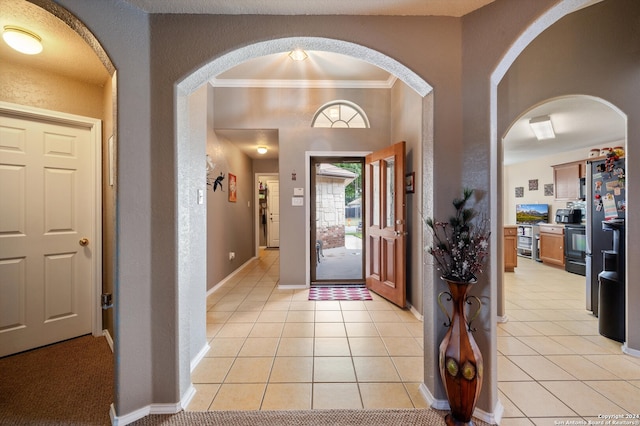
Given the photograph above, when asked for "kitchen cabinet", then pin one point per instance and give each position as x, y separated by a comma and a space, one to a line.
510, 248
552, 244
566, 180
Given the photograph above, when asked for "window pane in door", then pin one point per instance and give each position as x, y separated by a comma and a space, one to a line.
390, 192
375, 194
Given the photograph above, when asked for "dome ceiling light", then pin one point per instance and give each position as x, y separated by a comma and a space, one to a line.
24, 41
262, 150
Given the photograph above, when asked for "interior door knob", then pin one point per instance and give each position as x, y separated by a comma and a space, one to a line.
84, 242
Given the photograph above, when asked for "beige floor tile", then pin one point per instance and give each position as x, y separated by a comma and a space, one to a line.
292, 370
581, 345
287, 396
267, 329
513, 346
232, 396
510, 372
367, 329
333, 369
582, 399
379, 305
553, 421
250, 306
402, 346
622, 393
301, 316
620, 365
225, 347
416, 329
510, 409
410, 368
272, 316
295, 346
367, 346
218, 316
352, 305
213, 329
375, 369
516, 422
203, 397
331, 346
546, 345
298, 329
249, 370
514, 328
259, 347
328, 305
581, 368
329, 316
580, 328
393, 329
275, 305
540, 368
523, 315
211, 370
330, 329
384, 395
302, 305
336, 396
385, 316
534, 400
356, 316
549, 328
235, 330
418, 400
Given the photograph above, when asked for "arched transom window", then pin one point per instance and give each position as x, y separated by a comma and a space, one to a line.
343, 114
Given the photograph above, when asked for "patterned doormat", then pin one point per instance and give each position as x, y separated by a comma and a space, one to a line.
339, 292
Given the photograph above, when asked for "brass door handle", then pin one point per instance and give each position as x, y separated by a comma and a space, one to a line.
84, 242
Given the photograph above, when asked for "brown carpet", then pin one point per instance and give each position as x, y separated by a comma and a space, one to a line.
68, 383
391, 417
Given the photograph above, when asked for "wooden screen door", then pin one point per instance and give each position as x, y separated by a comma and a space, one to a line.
386, 223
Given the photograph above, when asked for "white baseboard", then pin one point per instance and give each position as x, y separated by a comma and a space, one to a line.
144, 411
436, 404
196, 360
107, 336
415, 313
502, 319
442, 404
629, 351
228, 277
292, 286
187, 397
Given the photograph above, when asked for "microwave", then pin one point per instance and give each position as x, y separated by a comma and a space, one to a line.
568, 216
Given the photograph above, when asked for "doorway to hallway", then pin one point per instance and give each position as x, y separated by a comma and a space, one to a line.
337, 248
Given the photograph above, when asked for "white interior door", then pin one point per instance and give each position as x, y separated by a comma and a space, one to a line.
273, 213
47, 231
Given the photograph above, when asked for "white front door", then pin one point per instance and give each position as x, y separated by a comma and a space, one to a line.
273, 213
47, 232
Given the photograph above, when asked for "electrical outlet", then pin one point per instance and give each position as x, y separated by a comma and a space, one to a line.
232, 255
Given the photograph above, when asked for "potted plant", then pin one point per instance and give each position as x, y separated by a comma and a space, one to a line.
460, 247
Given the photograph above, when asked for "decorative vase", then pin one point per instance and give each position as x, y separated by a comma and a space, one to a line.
461, 366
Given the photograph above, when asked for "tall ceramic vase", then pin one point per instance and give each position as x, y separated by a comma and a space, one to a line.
460, 357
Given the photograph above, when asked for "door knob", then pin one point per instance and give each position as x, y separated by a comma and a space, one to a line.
84, 242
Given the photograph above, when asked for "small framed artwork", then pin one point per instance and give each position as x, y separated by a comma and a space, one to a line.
410, 182
233, 196
533, 185
519, 191
548, 189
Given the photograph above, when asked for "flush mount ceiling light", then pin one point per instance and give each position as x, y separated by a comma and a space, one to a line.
262, 150
24, 41
542, 127
298, 55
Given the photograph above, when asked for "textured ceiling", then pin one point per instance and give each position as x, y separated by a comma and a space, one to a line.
314, 7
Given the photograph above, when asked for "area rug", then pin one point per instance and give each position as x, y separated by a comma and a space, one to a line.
339, 292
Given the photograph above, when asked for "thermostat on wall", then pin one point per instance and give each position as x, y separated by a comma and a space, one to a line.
298, 192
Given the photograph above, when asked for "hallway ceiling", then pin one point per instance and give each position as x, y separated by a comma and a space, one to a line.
579, 122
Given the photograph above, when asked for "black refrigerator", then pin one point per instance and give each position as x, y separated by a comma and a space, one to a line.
605, 197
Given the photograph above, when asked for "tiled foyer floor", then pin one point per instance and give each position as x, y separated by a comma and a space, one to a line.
274, 349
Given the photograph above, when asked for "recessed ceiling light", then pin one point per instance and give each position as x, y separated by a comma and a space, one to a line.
298, 55
262, 150
24, 41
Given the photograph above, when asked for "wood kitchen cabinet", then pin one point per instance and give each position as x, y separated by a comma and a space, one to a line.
566, 179
510, 248
552, 244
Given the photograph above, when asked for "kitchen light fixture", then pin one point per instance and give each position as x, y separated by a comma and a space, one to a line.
542, 127
262, 150
298, 55
24, 41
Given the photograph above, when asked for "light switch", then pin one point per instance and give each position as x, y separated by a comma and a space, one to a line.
200, 196
297, 201
298, 192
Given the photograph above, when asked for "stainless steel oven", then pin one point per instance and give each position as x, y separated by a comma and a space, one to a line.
575, 247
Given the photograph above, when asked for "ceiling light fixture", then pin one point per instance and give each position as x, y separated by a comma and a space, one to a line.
262, 150
24, 41
298, 55
542, 127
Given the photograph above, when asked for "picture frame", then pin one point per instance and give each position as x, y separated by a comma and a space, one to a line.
233, 185
409, 183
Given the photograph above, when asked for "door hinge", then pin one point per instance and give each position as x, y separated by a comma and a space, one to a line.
106, 301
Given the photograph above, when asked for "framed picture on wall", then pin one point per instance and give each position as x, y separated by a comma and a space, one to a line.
233, 196
519, 191
409, 183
